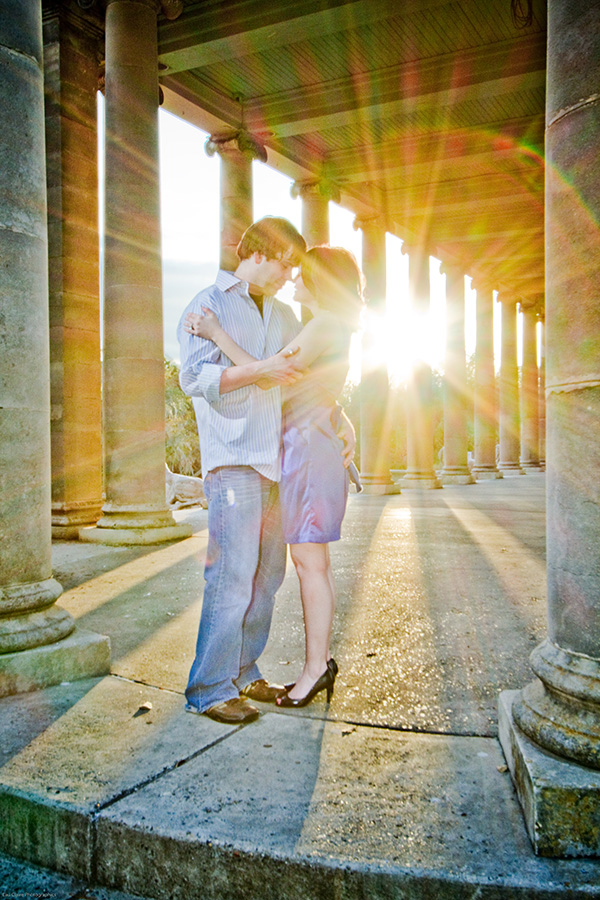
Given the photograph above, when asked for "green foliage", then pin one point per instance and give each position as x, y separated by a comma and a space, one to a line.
181, 432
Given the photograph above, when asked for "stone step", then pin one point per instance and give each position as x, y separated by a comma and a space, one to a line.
112, 782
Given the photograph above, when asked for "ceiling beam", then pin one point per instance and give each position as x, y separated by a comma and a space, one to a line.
488, 187
475, 148
444, 81
412, 179
209, 32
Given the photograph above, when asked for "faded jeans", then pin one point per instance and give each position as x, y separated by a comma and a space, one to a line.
245, 566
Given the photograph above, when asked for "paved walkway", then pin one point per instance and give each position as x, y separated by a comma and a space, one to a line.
397, 789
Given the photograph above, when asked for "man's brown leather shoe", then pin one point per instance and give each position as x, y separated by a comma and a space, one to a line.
233, 712
262, 691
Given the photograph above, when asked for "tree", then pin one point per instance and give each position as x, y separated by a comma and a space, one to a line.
181, 432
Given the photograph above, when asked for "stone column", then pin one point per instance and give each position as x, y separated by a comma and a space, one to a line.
542, 396
560, 712
37, 644
237, 150
375, 413
135, 511
456, 393
530, 392
315, 197
485, 425
71, 82
419, 393
510, 439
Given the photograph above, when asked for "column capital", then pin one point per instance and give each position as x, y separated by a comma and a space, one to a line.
454, 268
151, 4
416, 247
323, 188
532, 305
507, 300
481, 283
363, 223
240, 141
171, 9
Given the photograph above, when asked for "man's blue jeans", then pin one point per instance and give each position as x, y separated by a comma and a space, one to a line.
245, 565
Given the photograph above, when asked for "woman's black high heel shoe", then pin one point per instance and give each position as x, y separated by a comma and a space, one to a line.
331, 665
324, 683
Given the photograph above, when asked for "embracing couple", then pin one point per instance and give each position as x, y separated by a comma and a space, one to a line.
275, 469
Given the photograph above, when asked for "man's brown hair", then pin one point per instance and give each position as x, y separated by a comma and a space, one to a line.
274, 238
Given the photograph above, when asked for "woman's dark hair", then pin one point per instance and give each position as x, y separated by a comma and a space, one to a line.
334, 278
273, 237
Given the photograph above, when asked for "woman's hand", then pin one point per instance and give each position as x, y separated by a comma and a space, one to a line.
279, 369
205, 326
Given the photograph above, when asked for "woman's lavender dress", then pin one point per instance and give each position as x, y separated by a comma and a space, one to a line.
314, 482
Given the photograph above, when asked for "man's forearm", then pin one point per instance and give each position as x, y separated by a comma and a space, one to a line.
265, 373
235, 377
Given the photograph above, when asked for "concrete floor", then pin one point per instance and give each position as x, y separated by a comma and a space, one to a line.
398, 788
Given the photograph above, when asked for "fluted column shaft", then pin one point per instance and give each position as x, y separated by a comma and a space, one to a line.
236, 199
375, 426
530, 393
560, 712
315, 197
315, 211
509, 392
569, 663
456, 394
485, 408
71, 81
27, 589
542, 396
419, 393
135, 510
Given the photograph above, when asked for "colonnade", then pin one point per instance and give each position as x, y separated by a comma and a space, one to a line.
38, 642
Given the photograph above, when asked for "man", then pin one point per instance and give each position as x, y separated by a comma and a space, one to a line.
238, 410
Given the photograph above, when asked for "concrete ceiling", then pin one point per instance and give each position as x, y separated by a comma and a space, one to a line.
428, 112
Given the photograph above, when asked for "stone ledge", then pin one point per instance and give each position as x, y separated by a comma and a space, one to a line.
151, 800
131, 537
560, 799
80, 655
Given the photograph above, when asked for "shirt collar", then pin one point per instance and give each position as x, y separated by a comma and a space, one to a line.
227, 280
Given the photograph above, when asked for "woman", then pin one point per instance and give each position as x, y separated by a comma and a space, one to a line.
314, 481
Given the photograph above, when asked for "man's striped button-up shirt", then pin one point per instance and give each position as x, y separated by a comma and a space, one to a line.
243, 427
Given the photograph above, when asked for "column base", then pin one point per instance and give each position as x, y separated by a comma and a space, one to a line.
122, 526
510, 468
426, 481
560, 709
456, 475
124, 537
486, 473
389, 487
81, 655
531, 466
560, 799
29, 616
68, 518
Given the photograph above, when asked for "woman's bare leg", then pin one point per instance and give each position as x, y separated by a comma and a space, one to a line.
317, 591
334, 595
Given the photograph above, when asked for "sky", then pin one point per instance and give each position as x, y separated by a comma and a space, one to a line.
190, 246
